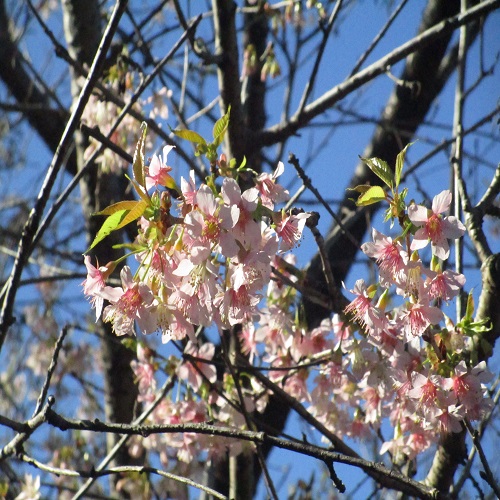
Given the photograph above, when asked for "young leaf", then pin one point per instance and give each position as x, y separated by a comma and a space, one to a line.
121, 205
138, 164
361, 188
134, 213
190, 135
381, 169
469, 309
220, 128
109, 225
400, 161
141, 190
119, 219
373, 195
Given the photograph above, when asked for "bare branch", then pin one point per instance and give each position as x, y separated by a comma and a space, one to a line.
279, 133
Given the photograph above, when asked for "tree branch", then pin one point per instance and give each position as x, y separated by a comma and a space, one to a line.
281, 132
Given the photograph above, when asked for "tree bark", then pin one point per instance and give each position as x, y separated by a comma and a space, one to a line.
99, 189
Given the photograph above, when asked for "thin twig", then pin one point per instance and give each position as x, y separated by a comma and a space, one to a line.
456, 488
167, 386
127, 109
490, 194
29, 427
279, 133
50, 370
124, 469
248, 420
339, 302
320, 51
377, 38
459, 189
488, 475
292, 159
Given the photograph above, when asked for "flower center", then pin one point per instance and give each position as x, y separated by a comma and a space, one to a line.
211, 228
434, 227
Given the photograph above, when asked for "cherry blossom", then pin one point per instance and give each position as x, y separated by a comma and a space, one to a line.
158, 172
30, 488
444, 284
133, 301
362, 308
289, 229
95, 283
418, 317
390, 257
434, 227
211, 264
271, 192
195, 372
144, 371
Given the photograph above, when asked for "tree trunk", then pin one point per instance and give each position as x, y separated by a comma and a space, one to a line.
99, 189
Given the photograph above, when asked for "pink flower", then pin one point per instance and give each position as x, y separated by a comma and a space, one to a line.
467, 386
247, 230
426, 389
189, 190
195, 372
134, 301
444, 285
158, 100
157, 173
435, 227
248, 341
144, 372
290, 228
173, 324
418, 317
362, 309
238, 306
390, 257
95, 283
210, 222
295, 385
271, 192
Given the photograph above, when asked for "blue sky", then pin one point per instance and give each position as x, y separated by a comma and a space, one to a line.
336, 150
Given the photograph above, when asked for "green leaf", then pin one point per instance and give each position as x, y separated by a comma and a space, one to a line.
109, 225
141, 190
134, 213
400, 161
121, 205
361, 188
138, 164
220, 128
381, 169
190, 135
371, 196
243, 163
469, 309
119, 219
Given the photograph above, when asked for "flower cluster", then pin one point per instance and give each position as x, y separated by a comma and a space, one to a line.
391, 355
206, 267
102, 114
